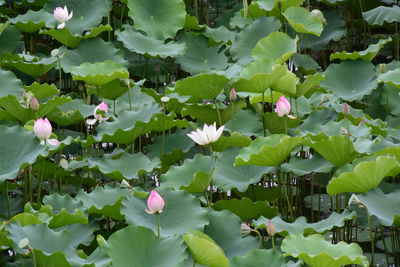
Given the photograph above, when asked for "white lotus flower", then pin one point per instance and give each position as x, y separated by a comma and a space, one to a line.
208, 135
62, 16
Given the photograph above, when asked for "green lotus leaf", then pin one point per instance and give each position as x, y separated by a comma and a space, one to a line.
10, 39
277, 47
194, 175
267, 5
208, 113
234, 140
42, 90
138, 246
220, 34
287, 84
303, 21
19, 148
334, 31
366, 175
202, 86
226, 176
384, 206
309, 83
3, 26
248, 37
225, 229
367, 54
182, 212
104, 201
32, 21
305, 63
10, 85
135, 99
192, 23
159, 19
357, 79
246, 209
72, 40
53, 247
91, 51
245, 122
381, 14
204, 250
267, 151
260, 75
260, 258
285, 4
33, 66
113, 89
199, 57
99, 73
302, 227
338, 149
390, 78
315, 251
65, 210
25, 219
300, 167
86, 14
14, 108
118, 165
71, 113
138, 43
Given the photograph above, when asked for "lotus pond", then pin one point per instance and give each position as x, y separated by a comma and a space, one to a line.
168, 133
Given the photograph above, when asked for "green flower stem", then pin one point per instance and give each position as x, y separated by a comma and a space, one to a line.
30, 183
59, 71
262, 113
286, 118
372, 240
40, 184
312, 198
283, 184
7, 198
158, 224
218, 113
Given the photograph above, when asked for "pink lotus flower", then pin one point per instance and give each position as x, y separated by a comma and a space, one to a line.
34, 104
42, 129
99, 111
232, 94
62, 16
282, 107
346, 110
155, 203
271, 228
209, 134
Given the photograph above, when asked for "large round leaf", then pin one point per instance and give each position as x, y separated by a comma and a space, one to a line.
10, 85
137, 246
267, 151
277, 47
160, 19
32, 21
202, 86
367, 54
381, 14
204, 250
350, 80
145, 45
18, 148
248, 37
259, 258
181, 212
391, 77
91, 51
365, 176
199, 57
303, 21
317, 252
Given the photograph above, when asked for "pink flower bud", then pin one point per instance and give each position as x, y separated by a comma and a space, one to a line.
232, 95
155, 203
346, 110
34, 104
42, 128
271, 228
62, 16
100, 110
282, 107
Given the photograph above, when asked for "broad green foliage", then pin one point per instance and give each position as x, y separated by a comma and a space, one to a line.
110, 153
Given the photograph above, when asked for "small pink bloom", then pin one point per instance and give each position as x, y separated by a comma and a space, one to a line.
232, 94
282, 107
99, 111
62, 16
155, 203
346, 110
34, 105
271, 228
42, 128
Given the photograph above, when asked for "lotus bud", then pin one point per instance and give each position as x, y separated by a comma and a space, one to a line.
346, 110
42, 129
34, 104
382, 68
271, 228
155, 203
282, 107
317, 13
245, 229
100, 110
232, 95
62, 16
